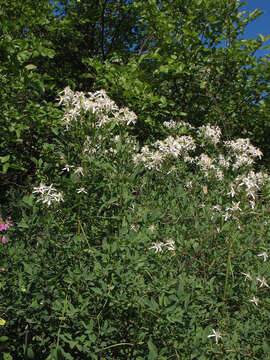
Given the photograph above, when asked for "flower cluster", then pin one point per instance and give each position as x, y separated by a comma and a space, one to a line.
177, 125
210, 133
48, 194
252, 182
237, 155
158, 246
170, 147
205, 163
4, 225
243, 151
98, 103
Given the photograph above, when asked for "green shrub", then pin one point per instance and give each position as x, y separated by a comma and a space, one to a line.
129, 252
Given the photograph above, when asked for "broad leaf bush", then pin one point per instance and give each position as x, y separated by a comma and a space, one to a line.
125, 250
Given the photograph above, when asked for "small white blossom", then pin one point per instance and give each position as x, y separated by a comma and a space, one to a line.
81, 190
219, 174
263, 282
226, 216
133, 227
157, 246
232, 192
254, 300
170, 244
216, 208
235, 207
173, 168
68, 167
264, 254
188, 184
216, 335
58, 197
247, 276
79, 171
224, 162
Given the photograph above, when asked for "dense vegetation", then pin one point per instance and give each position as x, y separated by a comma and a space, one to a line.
134, 196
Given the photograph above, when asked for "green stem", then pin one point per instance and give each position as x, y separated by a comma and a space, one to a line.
120, 344
227, 274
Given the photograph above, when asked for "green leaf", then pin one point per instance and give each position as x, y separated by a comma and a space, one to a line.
30, 67
5, 167
3, 338
7, 356
28, 199
23, 55
30, 353
153, 352
4, 158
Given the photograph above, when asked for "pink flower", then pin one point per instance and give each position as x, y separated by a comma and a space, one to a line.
4, 225
4, 240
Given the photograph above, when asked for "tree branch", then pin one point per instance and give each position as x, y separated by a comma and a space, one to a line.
103, 29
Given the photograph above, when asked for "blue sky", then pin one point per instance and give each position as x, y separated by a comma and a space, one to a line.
260, 25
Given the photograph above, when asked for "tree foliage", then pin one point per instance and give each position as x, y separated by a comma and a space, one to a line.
181, 60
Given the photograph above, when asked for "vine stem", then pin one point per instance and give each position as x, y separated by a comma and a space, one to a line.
119, 344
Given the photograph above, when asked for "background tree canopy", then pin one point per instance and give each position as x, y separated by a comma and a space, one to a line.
181, 60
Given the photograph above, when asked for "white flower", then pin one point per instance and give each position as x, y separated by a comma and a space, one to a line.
170, 245
58, 197
188, 184
42, 189
235, 207
224, 162
216, 335
254, 300
152, 227
205, 162
232, 192
216, 208
157, 247
226, 216
68, 167
264, 254
263, 282
81, 190
48, 194
79, 171
133, 227
212, 133
247, 276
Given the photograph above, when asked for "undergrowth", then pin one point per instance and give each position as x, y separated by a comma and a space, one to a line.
126, 252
